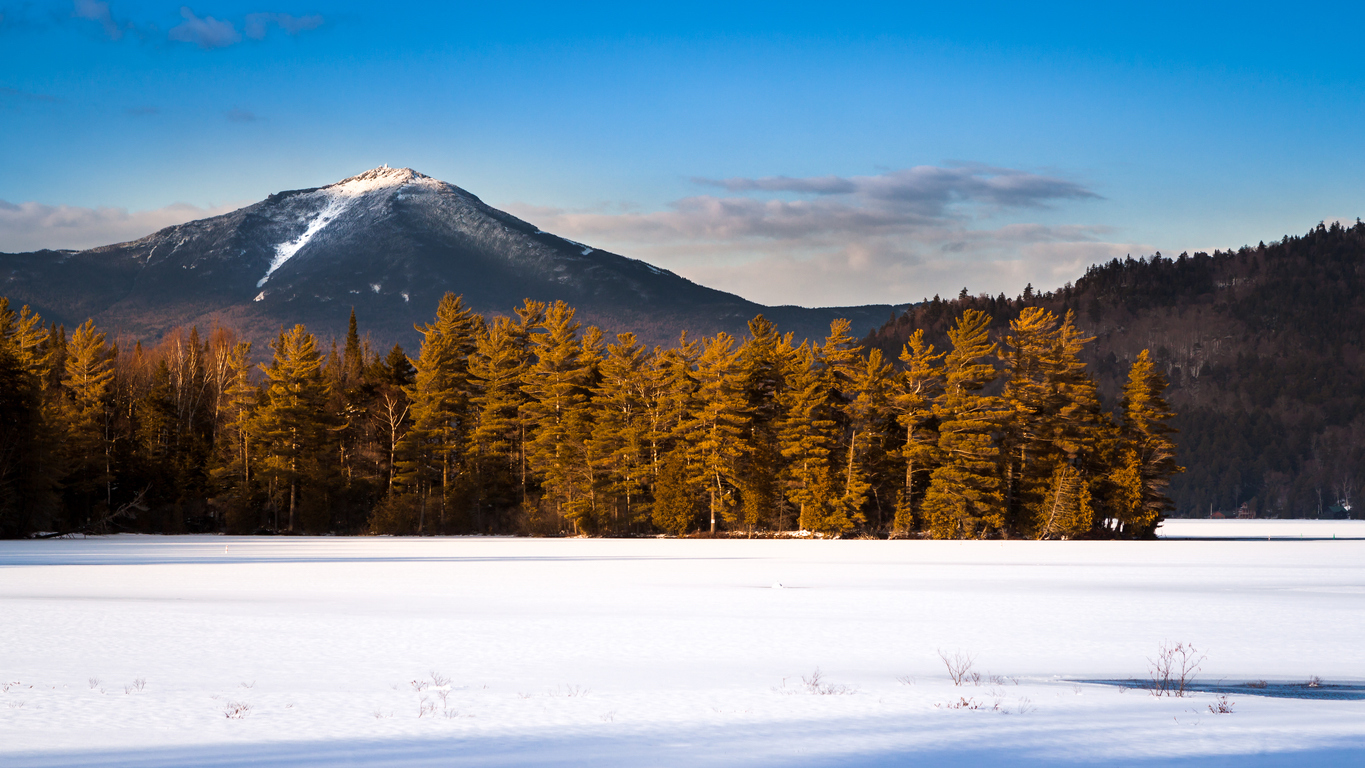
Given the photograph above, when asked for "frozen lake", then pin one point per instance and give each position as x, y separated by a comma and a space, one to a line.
675, 652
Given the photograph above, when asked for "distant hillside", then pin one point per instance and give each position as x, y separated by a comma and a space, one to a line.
389, 242
1265, 351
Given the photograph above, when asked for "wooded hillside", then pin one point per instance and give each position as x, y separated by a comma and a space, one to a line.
1263, 347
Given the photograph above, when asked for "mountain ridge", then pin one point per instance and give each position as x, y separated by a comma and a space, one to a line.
389, 242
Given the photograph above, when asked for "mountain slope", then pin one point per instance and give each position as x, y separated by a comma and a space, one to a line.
389, 242
1265, 351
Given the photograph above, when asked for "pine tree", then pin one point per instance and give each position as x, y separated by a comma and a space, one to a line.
232, 466
717, 424
25, 482
916, 391
761, 360
806, 440
498, 368
353, 358
556, 397
1148, 452
870, 421
673, 384
1065, 508
620, 438
965, 498
843, 369
434, 448
675, 499
292, 424
88, 373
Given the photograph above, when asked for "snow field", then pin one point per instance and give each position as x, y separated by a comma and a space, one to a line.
666, 652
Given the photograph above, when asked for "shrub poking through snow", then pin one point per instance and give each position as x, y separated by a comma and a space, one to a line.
816, 685
1221, 706
959, 666
236, 710
1174, 668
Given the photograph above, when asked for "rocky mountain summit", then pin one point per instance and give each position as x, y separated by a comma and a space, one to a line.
389, 242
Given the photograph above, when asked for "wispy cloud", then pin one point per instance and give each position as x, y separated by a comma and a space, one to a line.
98, 12
893, 237
239, 115
18, 95
32, 226
258, 24
207, 32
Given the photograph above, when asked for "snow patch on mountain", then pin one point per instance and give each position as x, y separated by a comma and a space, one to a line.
285, 251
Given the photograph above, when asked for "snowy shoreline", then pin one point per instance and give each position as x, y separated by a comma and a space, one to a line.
669, 652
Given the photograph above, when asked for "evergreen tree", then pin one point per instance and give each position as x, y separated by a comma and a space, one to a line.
620, 438
292, 424
673, 382
498, 367
917, 389
717, 424
433, 450
965, 498
556, 401
1148, 452
353, 358
675, 498
844, 369
761, 361
870, 422
231, 471
26, 501
806, 441
88, 373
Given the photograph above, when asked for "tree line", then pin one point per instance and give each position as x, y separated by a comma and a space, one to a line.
530, 424
1264, 348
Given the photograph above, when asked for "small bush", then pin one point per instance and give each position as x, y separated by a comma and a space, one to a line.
959, 667
1174, 668
397, 515
1222, 706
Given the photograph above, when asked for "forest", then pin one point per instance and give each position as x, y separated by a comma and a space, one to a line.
1264, 348
530, 424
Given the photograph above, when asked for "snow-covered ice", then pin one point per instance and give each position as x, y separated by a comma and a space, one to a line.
668, 652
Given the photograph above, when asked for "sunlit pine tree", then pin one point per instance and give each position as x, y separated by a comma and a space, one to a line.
717, 426
965, 498
1148, 453
914, 392
292, 424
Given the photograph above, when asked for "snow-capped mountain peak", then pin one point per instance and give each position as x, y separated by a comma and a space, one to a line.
333, 200
379, 178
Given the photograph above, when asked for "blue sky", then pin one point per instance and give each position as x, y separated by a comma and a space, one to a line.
828, 154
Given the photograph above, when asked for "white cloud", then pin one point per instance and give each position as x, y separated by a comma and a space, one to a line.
34, 226
896, 237
207, 32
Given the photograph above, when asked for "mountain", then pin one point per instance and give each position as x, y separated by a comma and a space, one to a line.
1264, 348
388, 242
